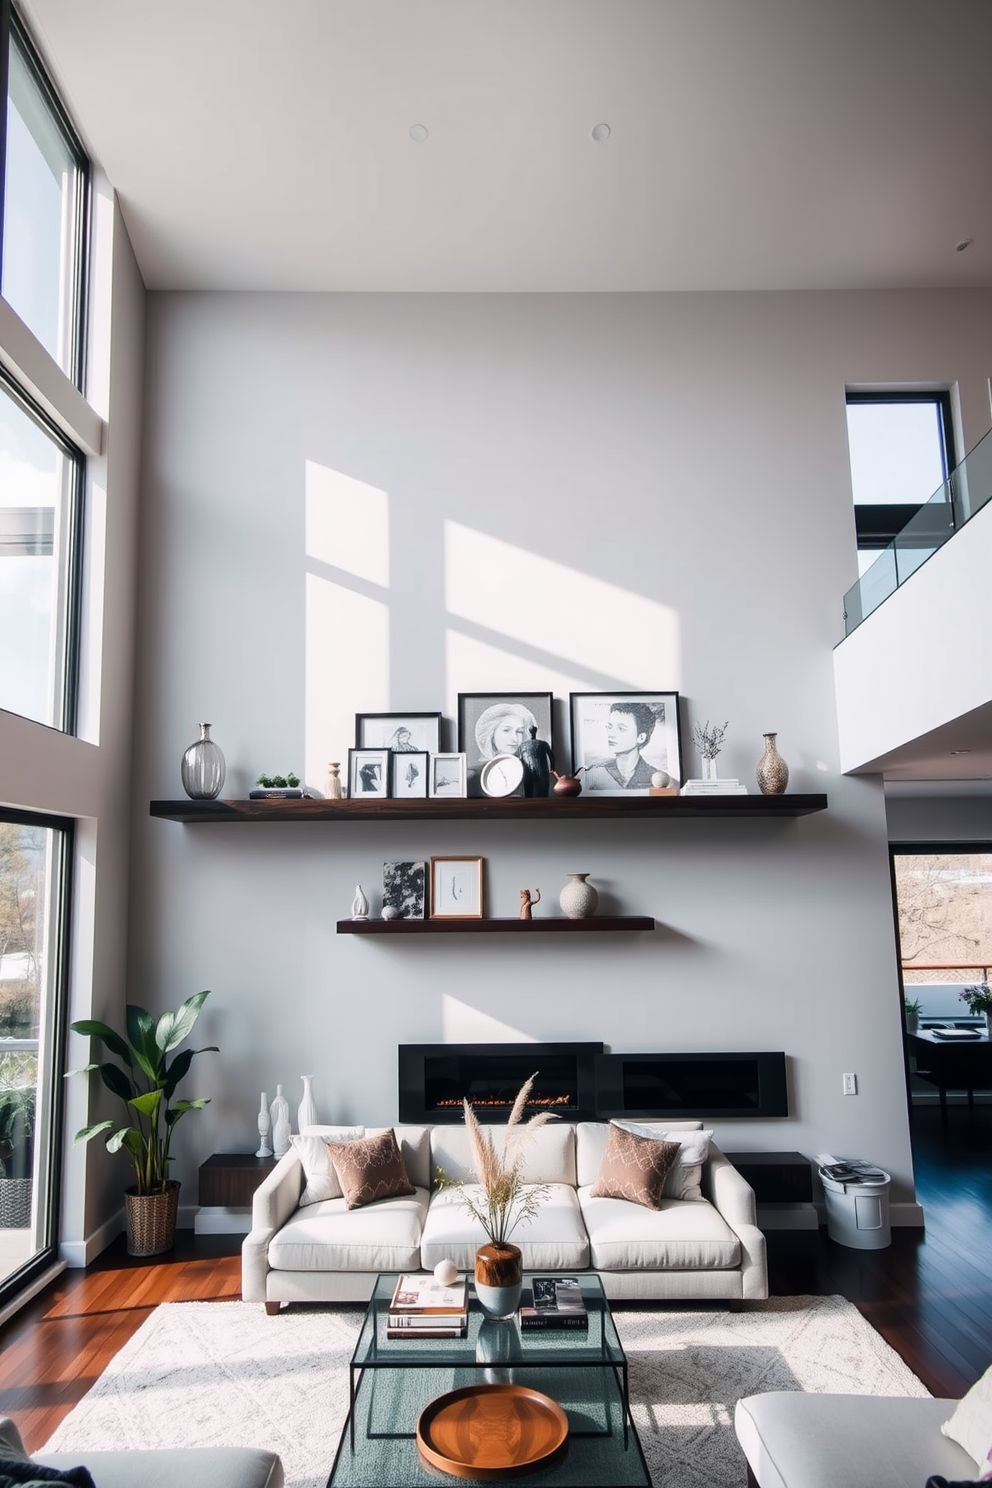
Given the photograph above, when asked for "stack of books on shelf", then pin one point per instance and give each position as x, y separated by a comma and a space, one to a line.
422, 1308
555, 1302
714, 788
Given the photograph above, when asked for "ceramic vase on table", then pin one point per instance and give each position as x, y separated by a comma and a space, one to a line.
264, 1127
307, 1113
279, 1111
772, 773
578, 899
203, 767
499, 1275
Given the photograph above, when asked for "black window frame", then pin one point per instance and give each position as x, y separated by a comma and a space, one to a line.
877, 524
13, 32
14, 1284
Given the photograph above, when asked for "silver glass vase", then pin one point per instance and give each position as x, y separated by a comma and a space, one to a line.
203, 767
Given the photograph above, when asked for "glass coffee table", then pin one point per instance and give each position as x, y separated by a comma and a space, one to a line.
392, 1380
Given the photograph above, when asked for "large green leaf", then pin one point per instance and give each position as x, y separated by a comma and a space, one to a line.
148, 1103
129, 1138
116, 1081
173, 1114
92, 1131
174, 1027
179, 1067
141, 1033
94, 1029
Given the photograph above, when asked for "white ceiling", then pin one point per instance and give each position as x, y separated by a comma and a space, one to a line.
755, 144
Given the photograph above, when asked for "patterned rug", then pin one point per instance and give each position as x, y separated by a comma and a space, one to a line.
223, 1374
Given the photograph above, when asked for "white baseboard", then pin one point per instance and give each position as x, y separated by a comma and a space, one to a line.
78, 1253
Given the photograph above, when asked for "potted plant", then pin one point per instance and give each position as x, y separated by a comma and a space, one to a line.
17, 1112
913, 1008
504, 1202
145, 1079
979, 1000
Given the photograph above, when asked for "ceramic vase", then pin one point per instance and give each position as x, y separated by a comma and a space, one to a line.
499, 1275
578, 899
711, 770
772, 773
334, 790
203, 767
264, 1127
279, 1112
359, 905
307, 1113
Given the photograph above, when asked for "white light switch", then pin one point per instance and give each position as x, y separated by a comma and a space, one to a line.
850, 1084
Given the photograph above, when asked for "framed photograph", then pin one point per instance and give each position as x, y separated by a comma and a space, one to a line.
368, 774
408, 774
404, 733
456, 888
491, 723
446, 775
404, 888
619, 740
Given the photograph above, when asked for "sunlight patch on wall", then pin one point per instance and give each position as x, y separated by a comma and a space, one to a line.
347, 523
461, 1024
596, 625
474, 666
347, 671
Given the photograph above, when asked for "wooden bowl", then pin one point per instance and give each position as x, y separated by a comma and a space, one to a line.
491, 1431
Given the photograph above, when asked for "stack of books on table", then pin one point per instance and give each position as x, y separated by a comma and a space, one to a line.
714, 788
555, 1302
422, 1308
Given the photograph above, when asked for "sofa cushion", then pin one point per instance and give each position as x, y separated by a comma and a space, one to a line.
590, 1144
370, 1168
382, 1236
970, 1425
634, 1168
554, 1240
685, 1176
548, 1153
682, 1235
321, 1175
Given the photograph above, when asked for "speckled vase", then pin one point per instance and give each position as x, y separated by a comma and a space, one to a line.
772, 773
578, 899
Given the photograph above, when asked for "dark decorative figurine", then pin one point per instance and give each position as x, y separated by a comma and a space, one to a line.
538, 762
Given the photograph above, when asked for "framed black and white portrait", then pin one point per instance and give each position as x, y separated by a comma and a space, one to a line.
492, 723
621, 739
446, 775
456, 888
404, 889
408, 774
368, 774
404, 733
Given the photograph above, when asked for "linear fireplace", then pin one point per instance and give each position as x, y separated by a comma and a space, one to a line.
579, 1082
434, 1079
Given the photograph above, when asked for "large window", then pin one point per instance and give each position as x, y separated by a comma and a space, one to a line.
902, 451
34, 857
44, 209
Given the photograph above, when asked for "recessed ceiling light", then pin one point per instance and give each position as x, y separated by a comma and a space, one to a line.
418, 133
960, 751
600, 132
964, 243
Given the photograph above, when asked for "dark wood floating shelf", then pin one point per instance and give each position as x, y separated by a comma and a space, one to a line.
551, 808
488, 927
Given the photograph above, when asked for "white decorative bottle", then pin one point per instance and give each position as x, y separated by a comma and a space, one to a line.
264, 1127
334, 790
307, 1113
359, 905
578, 899
279, 1111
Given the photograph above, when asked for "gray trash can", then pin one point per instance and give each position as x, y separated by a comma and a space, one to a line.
858, 1211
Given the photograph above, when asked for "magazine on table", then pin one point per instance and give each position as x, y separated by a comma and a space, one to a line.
555, 1302
424, 1295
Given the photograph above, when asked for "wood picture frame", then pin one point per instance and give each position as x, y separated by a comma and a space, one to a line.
456, 888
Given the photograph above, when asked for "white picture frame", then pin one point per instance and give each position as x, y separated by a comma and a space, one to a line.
456, 888
446, 778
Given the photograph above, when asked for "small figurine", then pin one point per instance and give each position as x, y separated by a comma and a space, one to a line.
527, 902
538, 761
334, 790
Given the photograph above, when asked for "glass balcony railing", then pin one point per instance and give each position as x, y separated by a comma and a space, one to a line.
964, 493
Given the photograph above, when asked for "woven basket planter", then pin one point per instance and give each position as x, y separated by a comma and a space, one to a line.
151, 1220
15, 1203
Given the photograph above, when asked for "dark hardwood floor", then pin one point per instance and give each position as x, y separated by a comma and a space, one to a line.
929, 1293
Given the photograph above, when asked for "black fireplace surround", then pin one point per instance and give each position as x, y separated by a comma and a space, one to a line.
581, 1082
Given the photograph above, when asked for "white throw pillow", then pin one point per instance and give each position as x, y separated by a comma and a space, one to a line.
322, 1179
971, 1424
683, 1182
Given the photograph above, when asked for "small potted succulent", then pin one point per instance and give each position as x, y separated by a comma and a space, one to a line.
913, 1008
277, 786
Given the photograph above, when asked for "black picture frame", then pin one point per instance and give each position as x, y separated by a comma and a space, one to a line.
491, 723
409, 773
368, 774
594, 741
422, 732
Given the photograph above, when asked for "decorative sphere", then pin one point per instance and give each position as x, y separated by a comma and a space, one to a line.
390, 912
446, 1273
660, 780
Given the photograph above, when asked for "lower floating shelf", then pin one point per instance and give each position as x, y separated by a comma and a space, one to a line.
488, 927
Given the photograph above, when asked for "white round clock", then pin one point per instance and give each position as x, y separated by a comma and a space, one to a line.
501, 775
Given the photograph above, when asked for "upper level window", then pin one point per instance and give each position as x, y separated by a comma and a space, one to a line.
901, 448
43, 209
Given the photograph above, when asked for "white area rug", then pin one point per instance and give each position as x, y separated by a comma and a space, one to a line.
201, 1374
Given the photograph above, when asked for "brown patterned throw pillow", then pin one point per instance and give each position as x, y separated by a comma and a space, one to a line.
633, 1168
369, 1169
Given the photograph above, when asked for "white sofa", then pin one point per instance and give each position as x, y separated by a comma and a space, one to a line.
701, 1249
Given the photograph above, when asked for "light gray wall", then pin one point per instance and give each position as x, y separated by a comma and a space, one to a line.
585, 492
